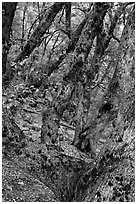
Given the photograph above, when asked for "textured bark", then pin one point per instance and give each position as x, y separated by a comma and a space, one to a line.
85, 42
92, 29
50, 125
7, 19
122, 94
103, 40
40, 31
79, 114
68, 18
13, 138
23, 26
77, 180
125, 73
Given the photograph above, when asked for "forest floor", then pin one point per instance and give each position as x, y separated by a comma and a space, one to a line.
18, 183
20, 186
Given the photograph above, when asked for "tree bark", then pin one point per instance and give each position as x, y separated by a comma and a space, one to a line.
68, 18
71, 174
23, 26
50, 126
13, 138
77, 180
7, 19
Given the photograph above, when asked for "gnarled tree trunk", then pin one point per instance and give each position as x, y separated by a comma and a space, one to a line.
8, 9
80, 180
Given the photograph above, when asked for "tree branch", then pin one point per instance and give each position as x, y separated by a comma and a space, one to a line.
40, 31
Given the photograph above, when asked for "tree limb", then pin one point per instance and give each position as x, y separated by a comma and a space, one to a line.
40, 31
